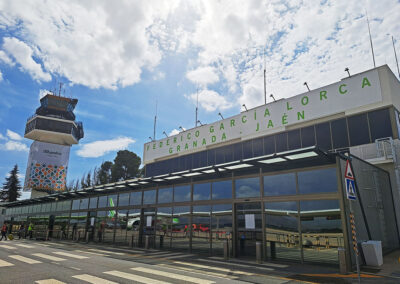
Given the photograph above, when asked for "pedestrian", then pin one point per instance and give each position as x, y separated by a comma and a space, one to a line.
21, 231
63, 231
30, 230
4, 232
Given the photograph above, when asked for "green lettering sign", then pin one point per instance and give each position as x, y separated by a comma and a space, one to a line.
365, 82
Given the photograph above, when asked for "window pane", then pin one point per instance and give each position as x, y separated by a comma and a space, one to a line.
203, 159
222, 189
317, 181
258, 147
112, 200
247, 149
165, 195
182, 193
379, 122
281, 230
307, 136
211, 157
221, 227
294, 139
181, 227
247, 187
135, 198
321, 230
219, 156
281, 142
201, 221
102, 201
323, 134
93, 202
164, 227
269, 144
339, 133
228, 153
75, 204
280, 184
358, 129
237, 152
84, 203
123, 199
201, 191
149, 197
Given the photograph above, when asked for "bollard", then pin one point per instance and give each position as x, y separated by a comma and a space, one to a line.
79, 236
87, 236
273, 250
342, 260
258, 252
146, 244
226, 250
131, 244
47, 235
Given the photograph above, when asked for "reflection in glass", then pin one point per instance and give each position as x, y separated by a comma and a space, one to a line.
317, 181
321, 228
135, 198
247, 187
164, 227
102, 202
182, 193
222, 189
201, 191
181, 227
149, 215
281, 230
112, 200
75, 204
123, 199
84, 203
280, 184
221, 228
149, 197
133, 227
249, 227
120, 227
201, 229
165, 195
93, 202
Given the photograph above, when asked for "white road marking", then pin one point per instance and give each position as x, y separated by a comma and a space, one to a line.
107, 252
172, 275
235, 264
49, 281
93, 279
213, 268
95, 253
5, 263
24, 246
24, 259
49, 257
201, 272
166, 254
177, 256
262, 264
75, 268
70, 255
7, 247
44, 245
134, 277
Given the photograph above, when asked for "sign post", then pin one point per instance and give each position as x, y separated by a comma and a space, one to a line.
351, 195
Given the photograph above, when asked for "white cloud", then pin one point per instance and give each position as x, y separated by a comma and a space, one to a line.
203, 75
5, 58
14, 146
13, 135
100, 148
25, 195
1, 76
210, 100
2, 137
23, 54
173, 132
43, 92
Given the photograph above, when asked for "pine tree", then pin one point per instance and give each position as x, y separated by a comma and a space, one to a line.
12, 187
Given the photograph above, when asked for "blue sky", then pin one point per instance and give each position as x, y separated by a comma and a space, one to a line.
118, 58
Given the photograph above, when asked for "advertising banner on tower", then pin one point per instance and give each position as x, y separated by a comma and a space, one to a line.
47, 167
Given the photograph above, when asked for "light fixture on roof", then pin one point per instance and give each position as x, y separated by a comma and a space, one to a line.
158, 179
120, 186
200, 122
143, 182
181, 128
272, 96
132, 184
209, 171
220, 115
305, 84
245, 107
347, 70
151, 139
192, 174
165, 134
301, 155
239, 166
173, 177
272, 161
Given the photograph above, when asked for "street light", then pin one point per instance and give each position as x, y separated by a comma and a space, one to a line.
305, 84
272, 96
165, 134
245, 107
220, 115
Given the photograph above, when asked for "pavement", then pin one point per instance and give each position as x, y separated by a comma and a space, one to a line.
31, 261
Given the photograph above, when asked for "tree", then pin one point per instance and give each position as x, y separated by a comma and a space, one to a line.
88, 179
104, 173
11, 188
126, 166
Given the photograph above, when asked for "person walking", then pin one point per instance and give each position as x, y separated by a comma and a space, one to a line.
4, 232
30, 230
21, 231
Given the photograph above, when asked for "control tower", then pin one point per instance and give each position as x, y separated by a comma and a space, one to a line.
53, 129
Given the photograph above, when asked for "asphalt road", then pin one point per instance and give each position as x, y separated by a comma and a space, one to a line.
25, 261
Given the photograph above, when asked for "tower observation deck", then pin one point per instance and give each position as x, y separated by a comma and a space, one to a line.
53, 129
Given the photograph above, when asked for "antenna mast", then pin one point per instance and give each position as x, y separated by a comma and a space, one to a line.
395, 55
265, 79
370, 39
155, 123
197, 104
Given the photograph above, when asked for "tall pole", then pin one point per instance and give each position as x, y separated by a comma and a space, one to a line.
395, 55
265, 80
370, 40
155, 123
197, 105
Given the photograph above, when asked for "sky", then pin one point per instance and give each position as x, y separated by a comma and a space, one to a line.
123, 60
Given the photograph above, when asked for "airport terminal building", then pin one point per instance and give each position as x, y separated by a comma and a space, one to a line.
272, 174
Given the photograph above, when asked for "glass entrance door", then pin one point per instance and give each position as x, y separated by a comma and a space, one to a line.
248, 228
147, 224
